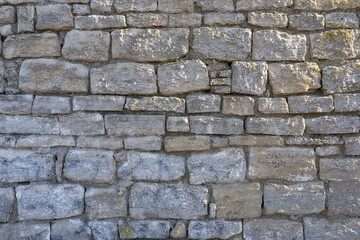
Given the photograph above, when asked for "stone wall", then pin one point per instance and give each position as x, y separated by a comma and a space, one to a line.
190, 119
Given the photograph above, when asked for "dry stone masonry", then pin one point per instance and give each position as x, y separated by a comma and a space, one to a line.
179, 119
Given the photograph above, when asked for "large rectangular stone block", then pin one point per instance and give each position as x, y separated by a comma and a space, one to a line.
25, 230
275, 125
82, 124
54, 17
333, 125
98, 103
339, 169
28, 124
214, 229
186, 143
156, 104
343, 198
135, 229
93, 22
15, 104
216, 125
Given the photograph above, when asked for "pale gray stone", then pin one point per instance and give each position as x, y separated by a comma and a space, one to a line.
7, 15
347, 102
310, 104
176, 6
219, 142
307, 21
15, 104
46, 201
260, 4
333, 125
95, 166
135, 5
48, 105
222, 43
112, 143
352, 145
214, 229
28, 124
105, 202
325, 5
228, 165
332, 45
89, 46
224, 18
81, 9
272, 105
340, 169
2, 75
284, 163
98, 103
221, 89
6, 30
317, 228
183, 77
294, 78
187, 143
146, 166
273, 45
7, 141
54, 17
240, 106
185, 20
7, 199
103, 6
317, 141
256, 229
179, 230
341, 79
201, 103
160, 44
64, 1
326, 151
343, 198
123, 78
177, 124
216, 125
92, 22
220, 81
135, 229
33, 45
302, 198
82, 124
25, 230
275, 125
249, 77
104, 229
264, 19
212, 210
237, 201
156, 104
147, 20
39, 141
147, 143
53, 76
256, 141
130, 125
70, 229
342, 20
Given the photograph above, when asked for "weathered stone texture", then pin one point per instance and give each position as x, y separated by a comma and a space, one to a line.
343, 198
262, 5
7, 15
28, 124
340, 169
38, 141
104, 229
187, 143
342, 20
272, 105
54, 17
175, 6
70, 229
103, 6
147, 143
135, 5
347, 102
135, 229
147, 20
48, 105
112, 143
7, 199
325, 5
256, 141
352, 146
307, 21
185, 20
156, 104
333, 125
240, 106
82, 124
15, 104
201, 103
214, 229
93, 22
275, 19
25, 230
276, 126
216, 125
177, 124
327, 151
98, 103
310, 104
168, 201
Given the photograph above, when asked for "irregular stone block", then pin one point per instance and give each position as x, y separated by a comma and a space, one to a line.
82, 124
25, 230
7, 15
302, 198
284, 163
263, 19
269, 228
341, 79
240, 106
104, 229
93, 22
273, 45
216, 125
224, 18
44, 141
147, 143
340, 169
249, 77
98, 103
294, 78
176, 6
130, 125
317, 141
222, 43
28, 124
325, 5
7, 199
105, 202
53, 76
63, 1
342, 20
276, 126
112, 143
144, 229
256, 141
156, 104
215, 6
327, 151
95, 166
177, 124
15, 104
310, 104
198, 103
185, 20
175, 201
343, 198
34, 45
123, 78
237, 201
70, 229
187, 143
81, 9
347, 102
214, 229
160, 44
352, 145
135, 5
103, 6
48, 105
335, 44
45, 201
272, 105
228, 165
218, 142
333, 125
259, 4
307, 21
147, 20
54, 17
179, 230
88, 46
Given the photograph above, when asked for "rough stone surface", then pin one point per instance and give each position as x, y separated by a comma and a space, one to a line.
214, 229
240, 106
82, 124
103, 6
15, 104
187, 143
135, 5
176, 6
262, 5
28, 124
177, 124
201, 103
352, 146
272, 105
310, 104
38, 141
317, 141
168, 201
343, 198
7, 15
46, 201
307, 21
54, 17
228, 165
185, 20
284, 163
302, 198
327, 151
104, 229
276, 126
256, 141
147, 20
325, 5
25, 230
7, 199
342, 20
224, 18
147, 143
70, 229
49, 105
275, 19
112, 143
333, 125
93, 22
156, 104
339, 169
179, 230
347, 102
98, 103
135, 229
